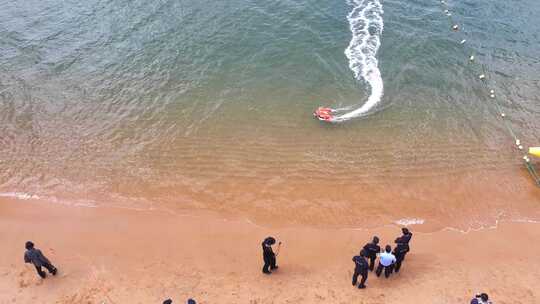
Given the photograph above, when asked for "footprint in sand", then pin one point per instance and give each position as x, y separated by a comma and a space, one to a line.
23, 280
23, 284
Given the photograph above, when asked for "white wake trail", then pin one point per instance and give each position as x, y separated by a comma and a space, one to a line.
366, 24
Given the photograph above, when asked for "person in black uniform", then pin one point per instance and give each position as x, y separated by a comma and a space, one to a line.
34, 256
361, 268
406, 237
269, 256
402, 247
189, 301
371, 250
400, 251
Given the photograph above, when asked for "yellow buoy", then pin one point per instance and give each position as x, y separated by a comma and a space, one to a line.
534, 151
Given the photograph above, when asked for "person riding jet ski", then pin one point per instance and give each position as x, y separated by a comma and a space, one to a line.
324, 114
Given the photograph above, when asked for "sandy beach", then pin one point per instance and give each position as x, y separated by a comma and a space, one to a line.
125, 256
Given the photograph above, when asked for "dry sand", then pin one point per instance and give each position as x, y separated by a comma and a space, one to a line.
124, 256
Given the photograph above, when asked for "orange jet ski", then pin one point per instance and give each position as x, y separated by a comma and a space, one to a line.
324, 114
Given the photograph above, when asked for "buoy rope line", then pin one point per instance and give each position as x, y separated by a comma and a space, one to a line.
489, 87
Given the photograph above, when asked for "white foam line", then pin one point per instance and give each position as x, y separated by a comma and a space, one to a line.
28, 196
19, 195
410, 221
366, 25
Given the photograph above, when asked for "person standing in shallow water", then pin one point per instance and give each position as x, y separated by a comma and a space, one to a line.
360, 268
34, 256
269, 256
386, 262
371, 250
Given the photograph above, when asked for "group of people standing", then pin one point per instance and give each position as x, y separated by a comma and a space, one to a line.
389, 261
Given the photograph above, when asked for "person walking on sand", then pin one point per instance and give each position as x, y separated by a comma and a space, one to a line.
386, 262
361, 268
371, 250
34, 256
269, 256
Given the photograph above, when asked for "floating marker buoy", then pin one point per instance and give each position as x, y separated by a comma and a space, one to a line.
534, 151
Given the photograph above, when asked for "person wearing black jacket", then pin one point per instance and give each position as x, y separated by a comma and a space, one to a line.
402, 247
361, 268
269, 256
400, 251
34, 256
371, 250
189, 301
406, 237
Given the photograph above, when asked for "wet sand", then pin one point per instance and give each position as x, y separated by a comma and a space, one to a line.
125, 256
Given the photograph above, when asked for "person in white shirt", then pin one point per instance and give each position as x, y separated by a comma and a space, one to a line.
386, 262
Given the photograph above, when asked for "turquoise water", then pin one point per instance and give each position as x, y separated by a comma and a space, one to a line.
208, 105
